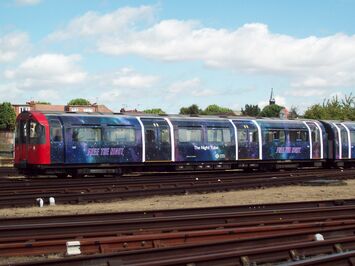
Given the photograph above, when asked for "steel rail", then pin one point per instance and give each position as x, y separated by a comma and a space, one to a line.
215, 253
164, 189
100, 244
346, 258
173, 177
171, 223
13, 186
314, 204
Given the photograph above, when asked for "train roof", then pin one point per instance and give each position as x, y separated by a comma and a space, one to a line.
178, 116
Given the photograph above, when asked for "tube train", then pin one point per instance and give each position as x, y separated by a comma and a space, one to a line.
90, 143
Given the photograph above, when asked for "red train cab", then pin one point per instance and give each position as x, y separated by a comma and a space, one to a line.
32, 144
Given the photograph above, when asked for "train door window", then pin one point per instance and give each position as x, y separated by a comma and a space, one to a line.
242, 135
344, 137
23, 131
18, 133
253, 135
37, 135
190, 134
150, 135
315, 135
56, 131
89, 134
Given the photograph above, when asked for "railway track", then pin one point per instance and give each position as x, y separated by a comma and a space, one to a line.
24, 192
7, 171
233, 235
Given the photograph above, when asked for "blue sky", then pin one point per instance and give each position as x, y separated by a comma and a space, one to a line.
169, 54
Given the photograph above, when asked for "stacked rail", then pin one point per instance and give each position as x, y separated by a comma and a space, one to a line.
297, 233
24, 192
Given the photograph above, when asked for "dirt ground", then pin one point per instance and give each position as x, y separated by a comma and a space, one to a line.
267, 195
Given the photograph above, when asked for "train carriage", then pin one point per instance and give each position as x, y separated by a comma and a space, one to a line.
79, 143
341, 139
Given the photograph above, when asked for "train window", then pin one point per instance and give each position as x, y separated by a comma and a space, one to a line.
298, 135
56, 131
254, 136
37, 135
247, 135
282, 136
190, 134
219, 135
274, 135
17, 133
120, 134
353, 138
86, 134
242, 135
344, 136
165, 135
149, 135
23, 131
315, 135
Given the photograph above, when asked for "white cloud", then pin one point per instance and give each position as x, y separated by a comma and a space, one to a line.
126, 83
185, 85
309, 63
251, 47
11, 45
93, 23
10, 92
47, 95
193, 87
47, 70
27, 2
128, 78
306, 92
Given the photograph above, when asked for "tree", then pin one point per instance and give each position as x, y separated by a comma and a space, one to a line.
191, 110
214, 109
315, 111
154, 111
333, 109
251, 110
272, 110
7, 116
293, 113
79, 101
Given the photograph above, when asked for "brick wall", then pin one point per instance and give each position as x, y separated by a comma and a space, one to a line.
7, 143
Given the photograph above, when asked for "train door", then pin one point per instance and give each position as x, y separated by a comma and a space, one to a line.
22, 141
248, 140
57, 141
345, 142
157, 139
317, 142
26, 139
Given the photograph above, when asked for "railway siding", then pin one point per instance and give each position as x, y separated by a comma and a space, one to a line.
247, 235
